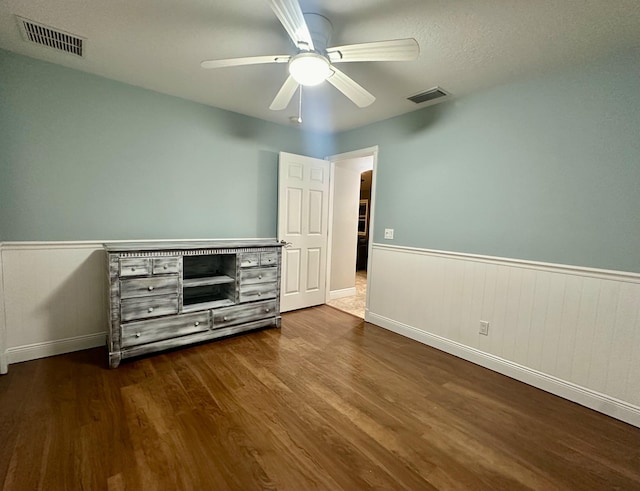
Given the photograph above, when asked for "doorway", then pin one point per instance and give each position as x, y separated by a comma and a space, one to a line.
351, 211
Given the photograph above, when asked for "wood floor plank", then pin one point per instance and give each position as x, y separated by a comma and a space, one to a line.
325, 402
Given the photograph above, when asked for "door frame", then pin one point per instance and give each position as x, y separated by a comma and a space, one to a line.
364, 152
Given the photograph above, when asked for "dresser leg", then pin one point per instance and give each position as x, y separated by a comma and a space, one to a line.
4, 365
114, 360
278, 322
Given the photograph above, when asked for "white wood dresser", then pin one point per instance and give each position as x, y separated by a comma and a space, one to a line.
163, 295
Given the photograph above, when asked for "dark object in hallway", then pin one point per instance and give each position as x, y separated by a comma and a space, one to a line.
362, 254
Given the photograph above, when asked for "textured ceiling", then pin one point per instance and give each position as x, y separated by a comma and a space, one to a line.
466, 45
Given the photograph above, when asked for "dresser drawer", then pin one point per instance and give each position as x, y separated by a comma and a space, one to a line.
141, 287
145, 307
249, 259
166, 265
143, 332
268, 258
258, 275
135, 266
244, 313
257, 291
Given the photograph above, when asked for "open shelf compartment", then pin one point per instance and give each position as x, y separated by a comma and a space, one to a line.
209, 280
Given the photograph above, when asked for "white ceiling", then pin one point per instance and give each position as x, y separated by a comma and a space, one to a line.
466, 45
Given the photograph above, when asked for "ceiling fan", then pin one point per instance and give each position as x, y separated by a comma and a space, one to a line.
314, 61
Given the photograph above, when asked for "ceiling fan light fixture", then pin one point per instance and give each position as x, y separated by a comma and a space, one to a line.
309, 68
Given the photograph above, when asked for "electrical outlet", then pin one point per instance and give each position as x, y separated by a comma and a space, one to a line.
484, 328
388, 233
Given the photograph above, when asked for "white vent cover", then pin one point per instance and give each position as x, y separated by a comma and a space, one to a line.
51, 37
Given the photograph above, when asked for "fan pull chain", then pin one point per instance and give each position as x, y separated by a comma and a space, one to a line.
298, 119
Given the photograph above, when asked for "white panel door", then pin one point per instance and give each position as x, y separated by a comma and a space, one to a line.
303, 215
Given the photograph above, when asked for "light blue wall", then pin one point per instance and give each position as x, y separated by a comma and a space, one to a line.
546, 170
83, 157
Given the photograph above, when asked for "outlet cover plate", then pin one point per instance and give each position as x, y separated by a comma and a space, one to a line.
484, 328
388, 233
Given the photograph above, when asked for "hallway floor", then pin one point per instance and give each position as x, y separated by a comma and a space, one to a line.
355, 303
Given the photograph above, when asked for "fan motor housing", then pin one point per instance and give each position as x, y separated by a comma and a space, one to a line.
320, 29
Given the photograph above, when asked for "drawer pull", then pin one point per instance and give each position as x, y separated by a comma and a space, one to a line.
166, 266
150, 309
267, 309
196, 323
151, 288
259, 276
225, 318
137, 334
133, 269
259, 294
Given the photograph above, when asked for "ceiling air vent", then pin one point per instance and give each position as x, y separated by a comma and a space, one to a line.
51, 37
428, 95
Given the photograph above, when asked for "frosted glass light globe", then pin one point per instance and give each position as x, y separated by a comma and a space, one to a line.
309, 68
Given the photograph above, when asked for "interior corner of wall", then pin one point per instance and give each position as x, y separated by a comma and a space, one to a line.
3, 335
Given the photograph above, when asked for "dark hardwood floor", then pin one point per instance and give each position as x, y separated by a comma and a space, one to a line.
327, 402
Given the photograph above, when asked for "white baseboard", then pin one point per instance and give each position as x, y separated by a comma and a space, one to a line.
52, 348
594, 400
345, 292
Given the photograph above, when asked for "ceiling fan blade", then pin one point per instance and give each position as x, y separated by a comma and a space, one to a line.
284, 95
290, 16
249, 60
358, 95
393, 50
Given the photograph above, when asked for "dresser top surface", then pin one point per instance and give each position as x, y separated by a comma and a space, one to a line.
188, 245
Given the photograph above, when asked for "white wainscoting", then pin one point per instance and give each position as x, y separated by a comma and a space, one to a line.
53, 298
571, 331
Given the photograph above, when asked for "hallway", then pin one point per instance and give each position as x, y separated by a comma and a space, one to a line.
354, 304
